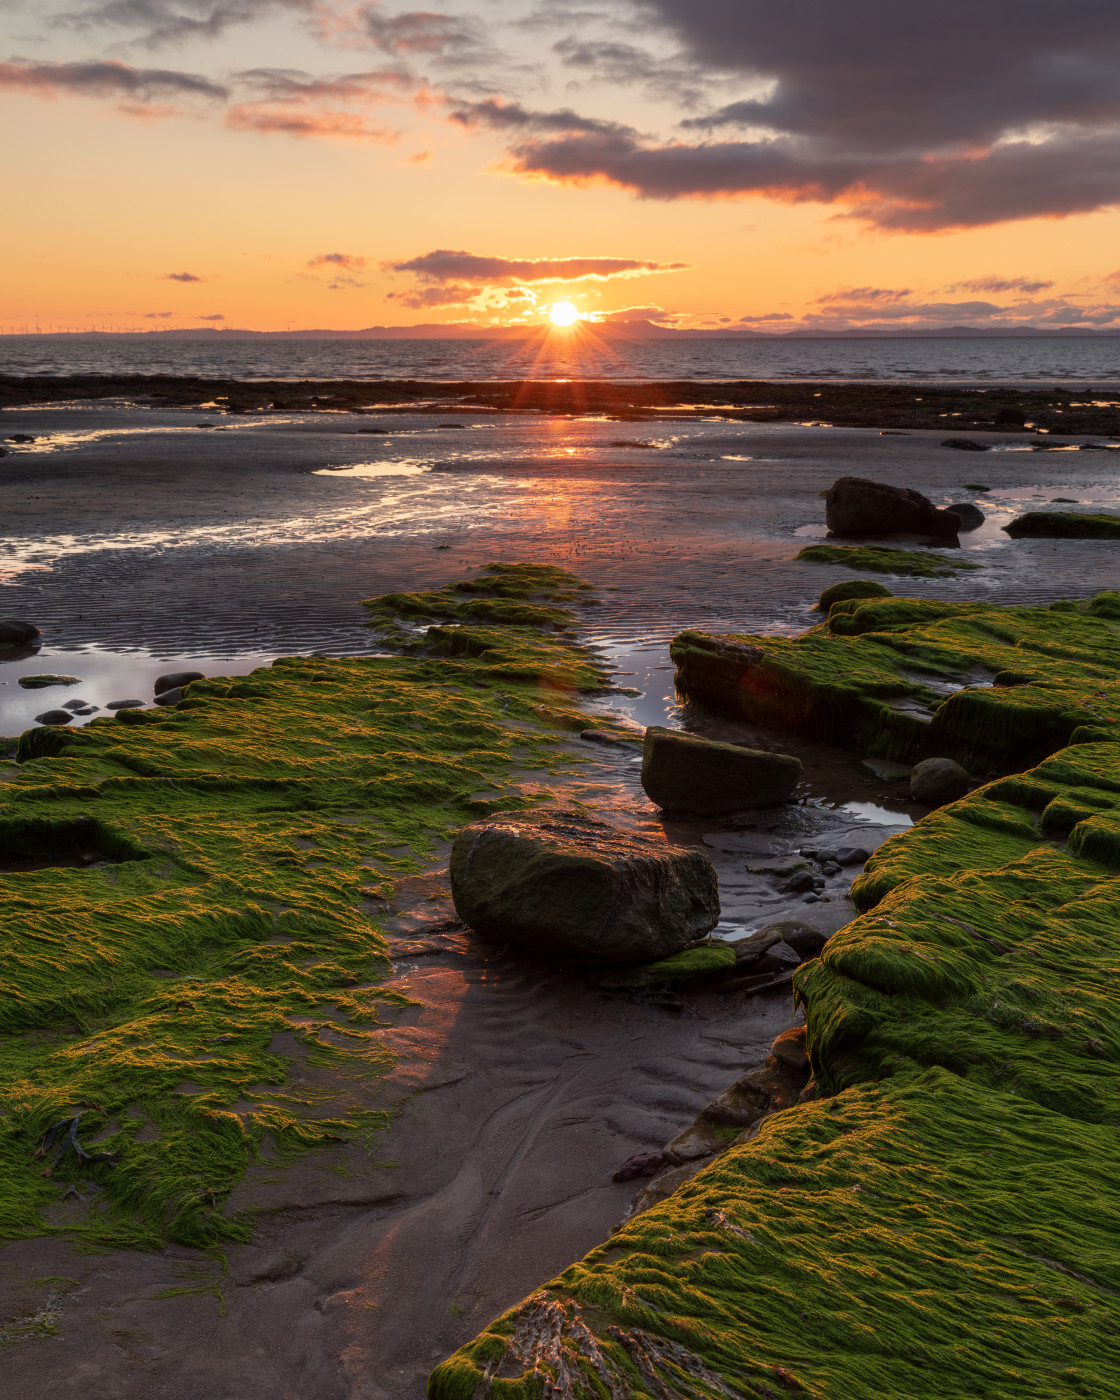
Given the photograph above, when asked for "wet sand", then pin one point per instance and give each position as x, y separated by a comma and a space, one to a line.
519, 1089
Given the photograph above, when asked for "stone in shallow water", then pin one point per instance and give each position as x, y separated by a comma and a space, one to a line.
936, 781
48, 678
684, 773
560, 883
126, 704
856, 506
14, 632
54, 717
173, 680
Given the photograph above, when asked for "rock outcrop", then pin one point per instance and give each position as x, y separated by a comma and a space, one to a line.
562, 884
856, 506
684, 773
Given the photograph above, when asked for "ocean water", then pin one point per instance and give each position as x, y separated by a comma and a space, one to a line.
1011, 360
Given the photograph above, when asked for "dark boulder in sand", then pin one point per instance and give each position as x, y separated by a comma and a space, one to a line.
1011, 417
804, 939
851, 588
175, 680
789, 1049
14, 632
54, 717
966, 445
855, 506
561, 883
684, 773
971, 516
170, 697
936, 781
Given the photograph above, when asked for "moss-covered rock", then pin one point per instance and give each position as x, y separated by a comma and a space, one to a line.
243, 840
1064, 525
850, 588
563, 884
874, 677
882, 559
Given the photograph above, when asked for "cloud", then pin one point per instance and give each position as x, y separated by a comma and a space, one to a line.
451, 294
348, 261
157, 315
866, 295
181, 277
917, 118
173, 21
444, 266
294, 103
999, 284
217, 316
106, 79
769, 316
496, 112
419, 32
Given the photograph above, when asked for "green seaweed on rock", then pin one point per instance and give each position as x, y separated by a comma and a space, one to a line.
881, 559
874, 677
226, 933
1064, 525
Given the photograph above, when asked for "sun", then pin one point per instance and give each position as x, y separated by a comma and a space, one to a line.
563, 313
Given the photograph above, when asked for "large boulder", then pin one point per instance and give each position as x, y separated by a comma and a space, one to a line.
684, 773
855, 506
14, 632
936, 781
560, 883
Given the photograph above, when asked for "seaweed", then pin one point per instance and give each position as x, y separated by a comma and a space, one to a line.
1064, 525
227, 931
880, 559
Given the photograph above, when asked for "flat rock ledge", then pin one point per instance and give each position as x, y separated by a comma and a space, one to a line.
562, 884
685, 773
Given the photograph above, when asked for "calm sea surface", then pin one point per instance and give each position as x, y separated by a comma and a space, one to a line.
1014, 360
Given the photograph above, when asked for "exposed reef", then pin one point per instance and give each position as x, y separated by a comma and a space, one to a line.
1064, 525
939, 1216
907, 679
160, 996
881, 559
1056, 411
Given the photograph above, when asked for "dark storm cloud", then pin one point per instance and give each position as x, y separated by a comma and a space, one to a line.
106, 79
918, 116
1071, 173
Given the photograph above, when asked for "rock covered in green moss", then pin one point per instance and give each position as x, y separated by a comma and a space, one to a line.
48, 678
1064, 525
882, 559
851, 588
686, 773
563, 884
874, 677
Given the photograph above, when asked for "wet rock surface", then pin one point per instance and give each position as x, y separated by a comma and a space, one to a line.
175, 680
14, 632
856, 506
567, 885
686, 773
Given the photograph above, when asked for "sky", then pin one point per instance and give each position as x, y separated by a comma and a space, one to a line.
766, 165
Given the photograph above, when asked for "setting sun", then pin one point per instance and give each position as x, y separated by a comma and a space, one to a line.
563, 313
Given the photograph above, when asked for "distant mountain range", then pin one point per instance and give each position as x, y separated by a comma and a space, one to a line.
605, 330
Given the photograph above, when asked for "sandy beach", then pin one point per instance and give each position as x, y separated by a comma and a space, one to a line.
137, 540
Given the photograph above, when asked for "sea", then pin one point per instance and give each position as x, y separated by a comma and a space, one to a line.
1011, 360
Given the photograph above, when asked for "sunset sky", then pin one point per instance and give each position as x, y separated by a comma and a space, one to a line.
771, 164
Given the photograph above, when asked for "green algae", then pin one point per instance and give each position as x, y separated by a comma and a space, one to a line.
945, 1221
874, 677
924, 1237
850, 588
686, 966
521, 595
880, 559
227, 934
46, 679
1064, 525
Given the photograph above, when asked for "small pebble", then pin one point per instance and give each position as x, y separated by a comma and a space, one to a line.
810, 899
831, 868
126, 704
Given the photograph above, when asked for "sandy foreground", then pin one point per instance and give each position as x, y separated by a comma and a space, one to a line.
138, 541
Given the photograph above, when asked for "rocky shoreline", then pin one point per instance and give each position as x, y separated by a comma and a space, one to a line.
1047, 412
924, 1203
